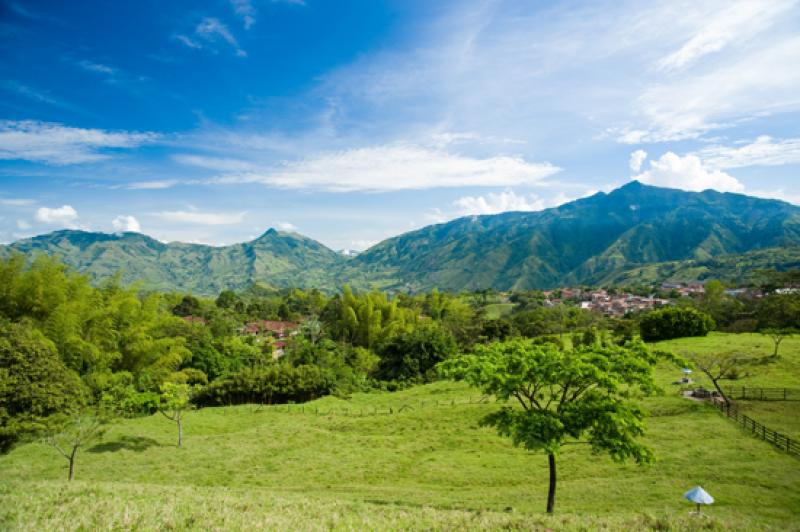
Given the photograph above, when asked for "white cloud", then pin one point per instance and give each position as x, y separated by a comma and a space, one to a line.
493, 203
396, 167
246, 11
287, 226
64, 215
637, 158
189, 42
152, 185
16, 202
23, 224
202, 218
764, 151
212, 30
687, 173
762, 82
126, 223
97, 68
56, 144
733, 23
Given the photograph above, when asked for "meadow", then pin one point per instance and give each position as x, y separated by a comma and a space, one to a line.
351, 464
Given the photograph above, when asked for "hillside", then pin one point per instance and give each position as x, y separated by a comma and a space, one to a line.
636, 232
583, 241
734, 268
424, 464
275, 258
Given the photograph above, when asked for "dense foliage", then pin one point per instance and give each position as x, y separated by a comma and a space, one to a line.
674, 322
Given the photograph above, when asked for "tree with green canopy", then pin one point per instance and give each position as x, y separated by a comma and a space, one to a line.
176, 401
67, 434
556, 397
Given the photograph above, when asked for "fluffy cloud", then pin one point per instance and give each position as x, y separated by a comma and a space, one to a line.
764, 151
64, 215
60, 145
126, 223
286, 226
396, 167
202, 218
493, 203
637, 158
687, 173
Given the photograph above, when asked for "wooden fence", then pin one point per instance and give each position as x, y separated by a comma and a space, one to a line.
779, 440
744, 393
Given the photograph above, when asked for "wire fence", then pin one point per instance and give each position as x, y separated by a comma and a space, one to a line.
779, 440
751, 393
373, 410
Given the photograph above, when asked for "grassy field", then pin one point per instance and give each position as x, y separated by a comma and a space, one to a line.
498, 310
427, 465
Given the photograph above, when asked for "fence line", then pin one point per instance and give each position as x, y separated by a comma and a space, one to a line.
362, 411
779, 440
762, 394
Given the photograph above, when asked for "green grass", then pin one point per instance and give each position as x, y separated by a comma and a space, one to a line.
498, 310
429, 466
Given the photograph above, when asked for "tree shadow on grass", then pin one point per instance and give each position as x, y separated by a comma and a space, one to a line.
127, 443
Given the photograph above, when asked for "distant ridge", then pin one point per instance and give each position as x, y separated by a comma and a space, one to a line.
588, 241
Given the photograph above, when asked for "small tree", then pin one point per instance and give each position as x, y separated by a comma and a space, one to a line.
175, 402
778, 336
68, 434
724, 366
563, 397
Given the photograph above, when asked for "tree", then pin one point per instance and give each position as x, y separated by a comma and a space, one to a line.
67, 434
175, 403
778, 336
411, 354
724, 366
34, 383
674, 322
560, 397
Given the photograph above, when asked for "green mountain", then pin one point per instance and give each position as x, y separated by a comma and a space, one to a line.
275, 258
582, 242
635, 232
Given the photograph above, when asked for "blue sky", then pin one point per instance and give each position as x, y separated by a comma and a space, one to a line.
355, 120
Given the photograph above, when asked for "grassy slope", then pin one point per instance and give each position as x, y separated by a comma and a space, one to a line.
426, 467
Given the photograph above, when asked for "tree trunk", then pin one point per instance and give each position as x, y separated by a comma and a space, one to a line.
719, 389
551, 493
180, 432
72, 463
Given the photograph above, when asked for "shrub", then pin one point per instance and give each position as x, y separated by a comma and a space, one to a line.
674, 322
276, 383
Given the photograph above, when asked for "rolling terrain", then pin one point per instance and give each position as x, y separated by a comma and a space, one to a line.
424, 464
636, 233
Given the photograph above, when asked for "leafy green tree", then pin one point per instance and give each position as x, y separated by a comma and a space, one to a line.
67, 434
559, 397
176, 401
34, 382
410, 355
674, 322
778, 336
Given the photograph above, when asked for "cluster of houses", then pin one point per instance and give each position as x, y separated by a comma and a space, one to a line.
277, 331
600, 300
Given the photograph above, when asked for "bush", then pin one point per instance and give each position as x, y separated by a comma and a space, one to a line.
674, 322
411, 355
276, 383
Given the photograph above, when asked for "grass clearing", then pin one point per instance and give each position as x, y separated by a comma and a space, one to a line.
429, 466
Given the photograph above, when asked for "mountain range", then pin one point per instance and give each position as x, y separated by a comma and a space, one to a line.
636, 232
